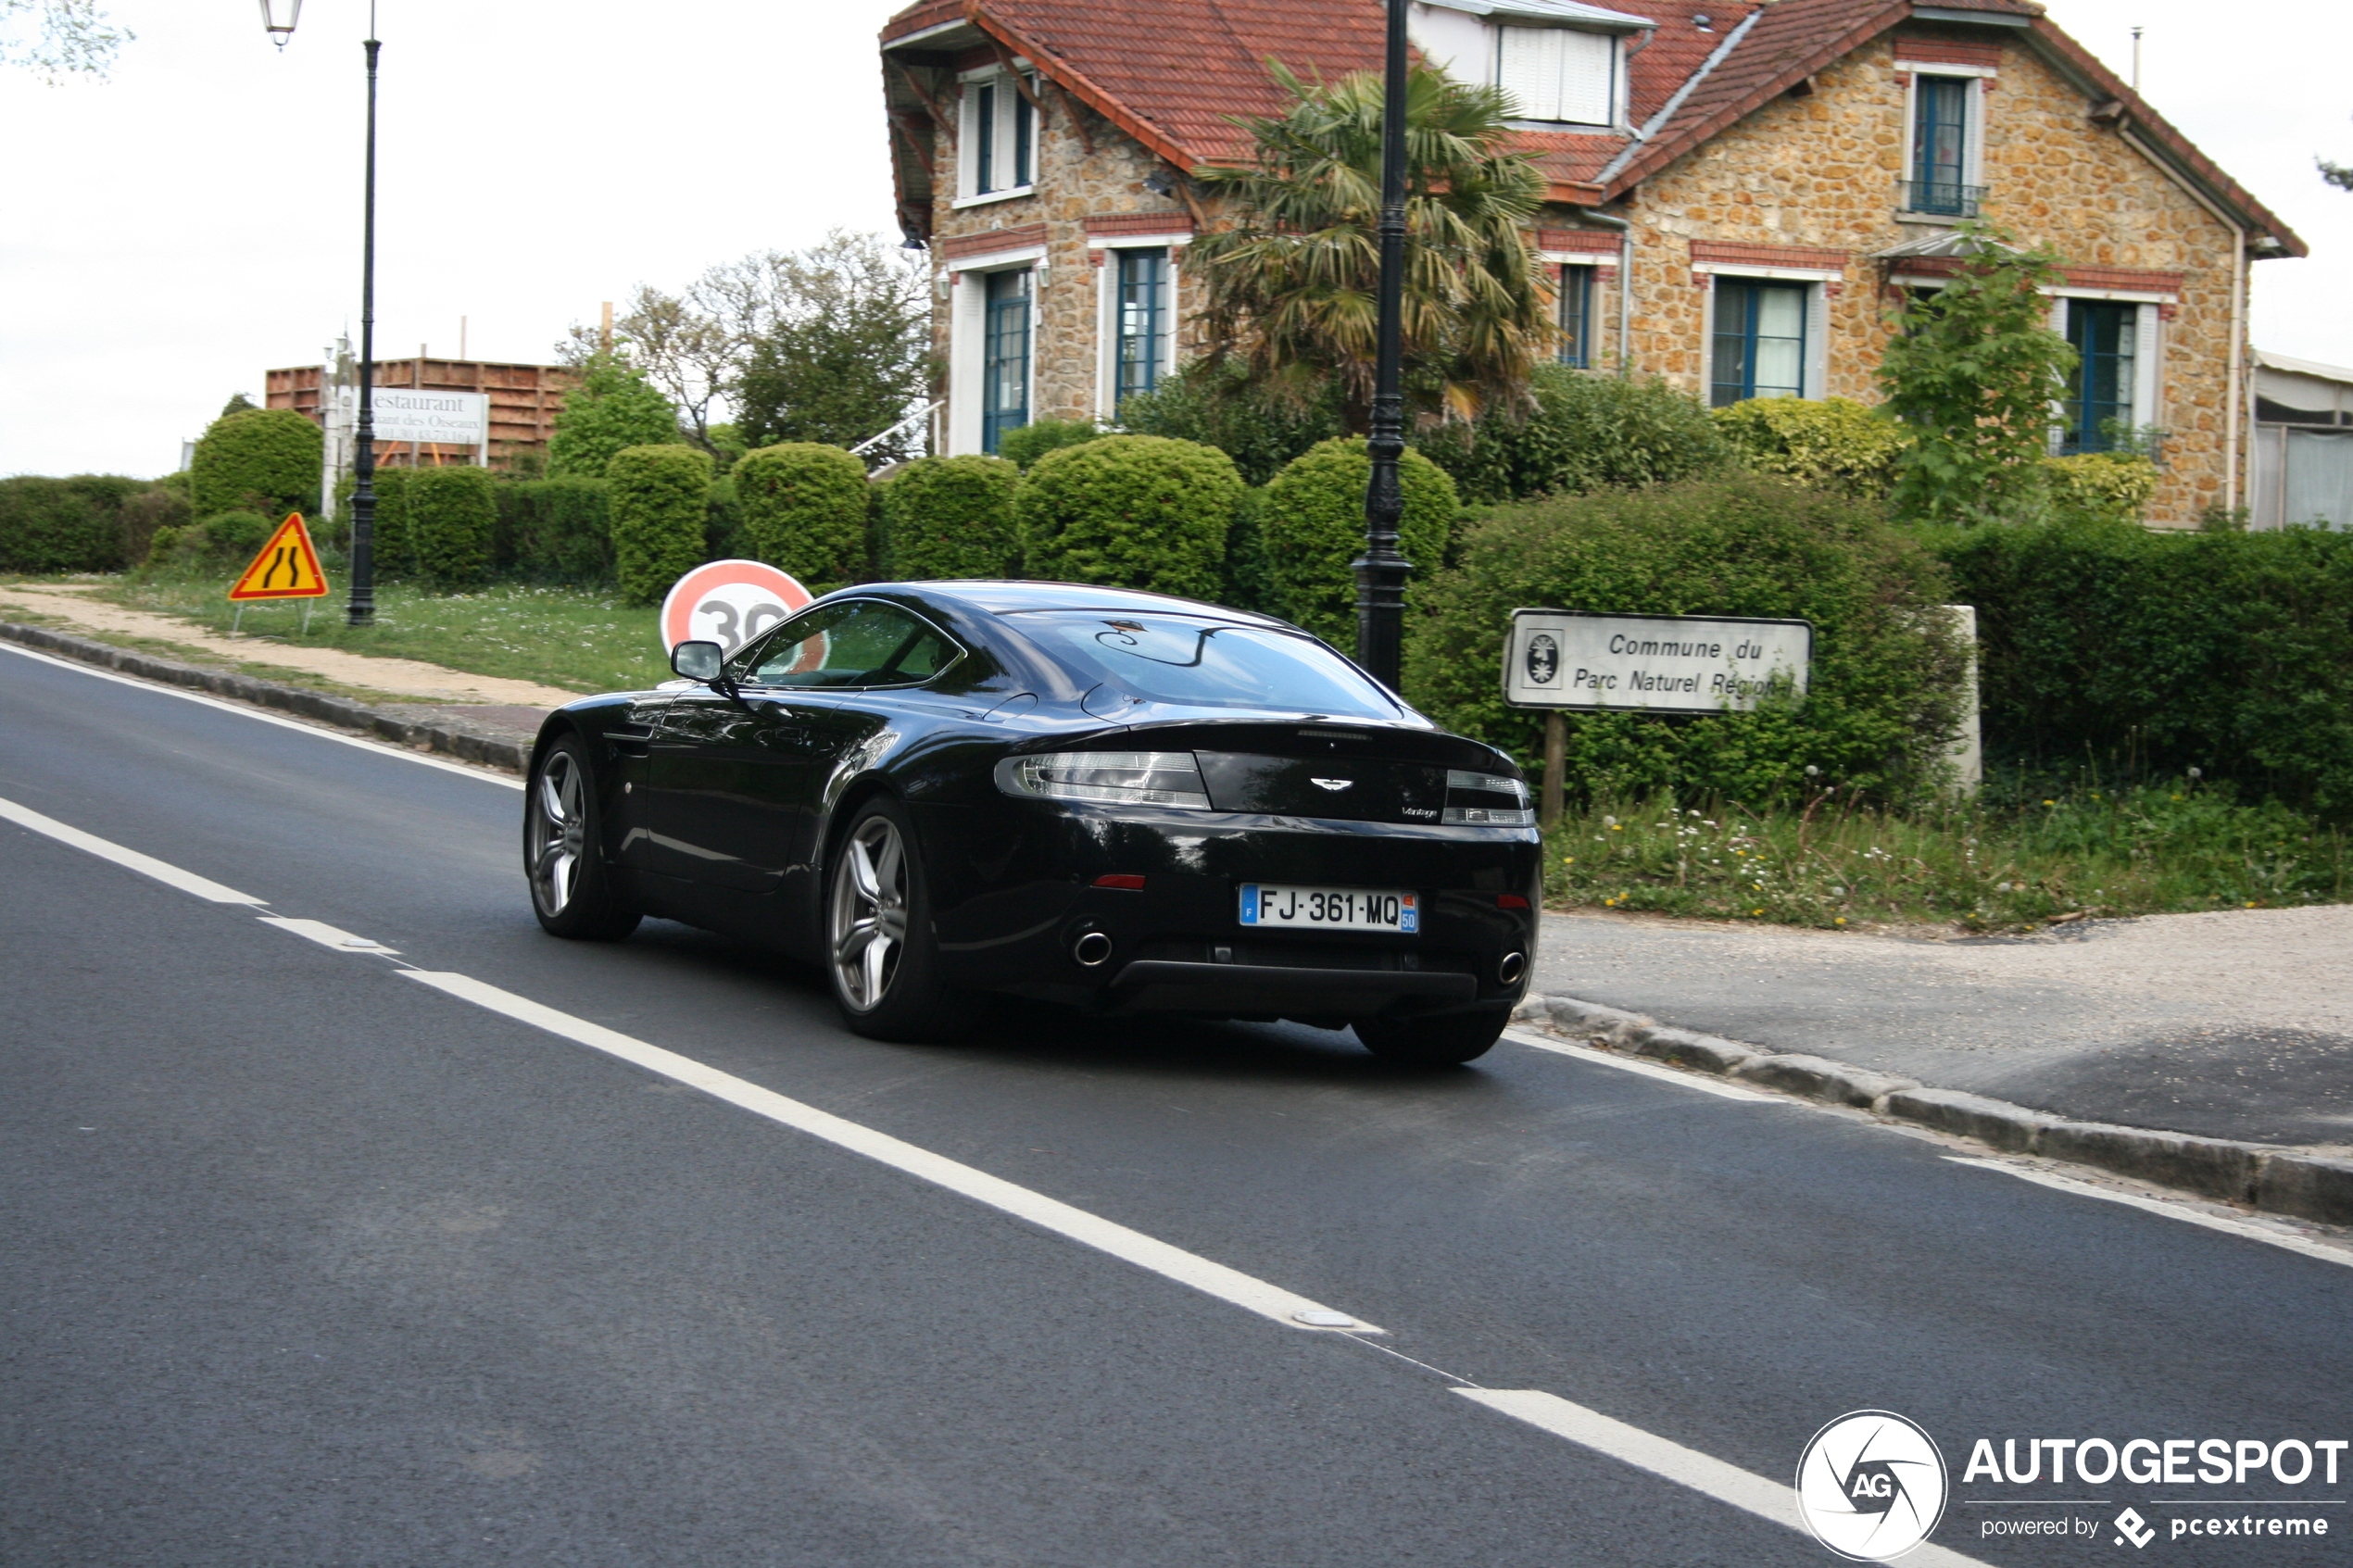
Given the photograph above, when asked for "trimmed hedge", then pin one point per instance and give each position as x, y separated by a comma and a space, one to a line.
1886, 683
2151, 652
394, 552
1024, 446
1587, 431
659, 506
259, 460
1313, 524
2099, 486
1827, 442
948, 518
556, 530
1139, 512
453, 518
802, 507
75, 525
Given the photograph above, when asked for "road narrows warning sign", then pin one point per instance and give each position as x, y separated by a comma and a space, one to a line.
287, 567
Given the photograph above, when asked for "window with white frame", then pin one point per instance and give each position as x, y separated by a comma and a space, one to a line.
2112, 392
1944, 142
1559, 73
1140, 317
1767, 337
999, 136
1576, 315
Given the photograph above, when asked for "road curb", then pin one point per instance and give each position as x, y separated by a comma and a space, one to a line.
2261, 1176
465, 744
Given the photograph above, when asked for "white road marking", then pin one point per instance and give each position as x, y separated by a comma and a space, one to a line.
131, 859
1231, 1285
326, 936
1774, 1500
1645, 1068
380, 747
2171, 1210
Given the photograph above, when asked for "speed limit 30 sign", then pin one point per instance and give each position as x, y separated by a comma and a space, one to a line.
727, 602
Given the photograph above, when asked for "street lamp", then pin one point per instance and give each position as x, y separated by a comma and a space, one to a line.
279, 17
1380, 571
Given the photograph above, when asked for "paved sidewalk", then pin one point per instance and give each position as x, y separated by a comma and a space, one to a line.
2235, 1024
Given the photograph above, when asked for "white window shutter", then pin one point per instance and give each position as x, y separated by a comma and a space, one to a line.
2147, 347
1588, 70
1529, 71
2059, 408
1818, 342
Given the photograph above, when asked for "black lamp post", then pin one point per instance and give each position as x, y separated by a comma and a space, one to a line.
279, 18
1380, 571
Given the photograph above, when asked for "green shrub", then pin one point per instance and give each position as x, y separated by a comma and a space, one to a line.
1827, 442
261, 459
1213, 405
1024, 446
802, 507
1587, 431
556, 530
1313, 525
225, 541
392, 553
660, 506
2099, 486
722, 520
1885, 685
612, 407
453, 517
2149, 652
1250, 575
77, 524
1140, 511
947, 518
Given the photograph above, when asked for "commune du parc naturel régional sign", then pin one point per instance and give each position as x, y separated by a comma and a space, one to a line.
1652, 663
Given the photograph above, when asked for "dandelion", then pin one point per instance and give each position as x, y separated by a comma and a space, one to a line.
2196, 773
2050, 802
1839, 921
1812, 771
1568, 860
2177, 797
1756, 912
1609, 821
1837, 891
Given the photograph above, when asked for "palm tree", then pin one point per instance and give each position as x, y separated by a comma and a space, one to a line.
1292, 274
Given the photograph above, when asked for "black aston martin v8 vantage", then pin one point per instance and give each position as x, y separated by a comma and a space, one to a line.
1088, 796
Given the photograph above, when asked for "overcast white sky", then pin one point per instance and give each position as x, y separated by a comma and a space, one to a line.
172, 234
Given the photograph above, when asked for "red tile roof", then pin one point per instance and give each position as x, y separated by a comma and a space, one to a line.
1174, 73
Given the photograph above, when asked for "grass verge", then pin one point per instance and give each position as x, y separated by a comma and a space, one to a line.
2153, 850
567, 637
205, 658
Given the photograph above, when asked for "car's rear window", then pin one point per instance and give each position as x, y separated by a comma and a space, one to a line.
1203, 664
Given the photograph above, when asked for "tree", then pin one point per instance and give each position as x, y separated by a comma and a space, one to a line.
1973, 370
67, 38
1291, 283
611, 409
847, 353
238, 402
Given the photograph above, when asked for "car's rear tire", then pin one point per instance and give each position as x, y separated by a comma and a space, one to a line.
881, 955
572, 888
1442, 1040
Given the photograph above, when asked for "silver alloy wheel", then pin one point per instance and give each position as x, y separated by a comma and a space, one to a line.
868, 928
559, 833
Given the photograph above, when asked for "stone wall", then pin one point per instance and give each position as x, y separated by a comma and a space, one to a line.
1821, 171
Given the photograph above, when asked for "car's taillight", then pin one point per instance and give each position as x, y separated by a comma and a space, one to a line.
1487, 800
1129, 778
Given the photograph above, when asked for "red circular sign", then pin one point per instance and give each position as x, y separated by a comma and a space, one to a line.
727, 602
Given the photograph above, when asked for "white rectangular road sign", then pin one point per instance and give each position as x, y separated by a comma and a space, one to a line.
1652, 663
452, 419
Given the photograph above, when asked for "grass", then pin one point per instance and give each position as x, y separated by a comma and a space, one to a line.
2152, 850
575, 639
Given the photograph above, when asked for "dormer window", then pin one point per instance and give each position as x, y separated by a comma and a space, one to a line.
1000, 137
1556, 73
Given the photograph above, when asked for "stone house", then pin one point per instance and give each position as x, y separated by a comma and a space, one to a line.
1738, 192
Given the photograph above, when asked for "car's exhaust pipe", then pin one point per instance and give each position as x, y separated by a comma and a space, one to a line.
1511, 968
1093, 950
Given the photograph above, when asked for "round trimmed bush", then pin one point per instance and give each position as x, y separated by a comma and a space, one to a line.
1587, 431
1886, 683
1138, 511
557, 530
257, 459
658, 505
1829, 443
1024, 446
802, 507
947, 518
453, 517
77, 524
1312, 526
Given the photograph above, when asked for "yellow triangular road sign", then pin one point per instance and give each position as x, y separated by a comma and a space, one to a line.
287, 567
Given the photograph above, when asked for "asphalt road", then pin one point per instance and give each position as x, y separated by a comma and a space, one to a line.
305, 1263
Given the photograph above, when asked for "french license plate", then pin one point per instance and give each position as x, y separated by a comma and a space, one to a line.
1329, 908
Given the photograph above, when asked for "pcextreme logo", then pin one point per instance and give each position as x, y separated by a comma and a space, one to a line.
1871, 1486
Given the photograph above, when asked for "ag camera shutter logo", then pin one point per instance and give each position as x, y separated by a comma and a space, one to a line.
1871, 1486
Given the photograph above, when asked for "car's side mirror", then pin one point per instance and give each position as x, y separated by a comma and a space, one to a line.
699, 661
